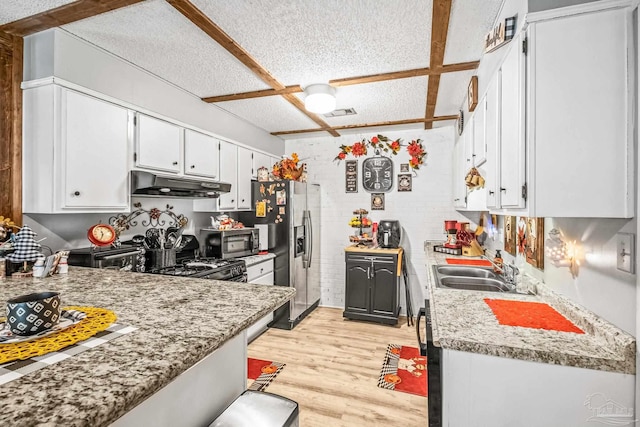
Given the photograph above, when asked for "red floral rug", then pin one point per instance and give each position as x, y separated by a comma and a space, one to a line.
263, 372
404, 370
462, 261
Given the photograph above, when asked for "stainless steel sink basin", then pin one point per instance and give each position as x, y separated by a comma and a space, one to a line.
474, 284
469, 278
466, 271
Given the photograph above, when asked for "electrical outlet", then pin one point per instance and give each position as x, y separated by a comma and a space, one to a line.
625, 251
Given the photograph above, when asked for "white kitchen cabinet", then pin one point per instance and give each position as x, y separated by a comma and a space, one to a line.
260, 160
478, 144
492, 137
201, 155
483, 390
228, 173
260, 274
459, 164
581, 111
77, 148
512, 136
245, 173
158, 144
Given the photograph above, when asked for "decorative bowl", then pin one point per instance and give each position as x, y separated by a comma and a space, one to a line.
33, 313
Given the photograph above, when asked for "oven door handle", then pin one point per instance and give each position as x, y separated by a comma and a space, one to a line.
122, 255
422, 345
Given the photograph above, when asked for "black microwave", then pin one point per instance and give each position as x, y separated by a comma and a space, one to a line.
234, 243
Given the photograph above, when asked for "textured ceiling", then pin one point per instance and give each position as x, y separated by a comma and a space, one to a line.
298, 42
13, 10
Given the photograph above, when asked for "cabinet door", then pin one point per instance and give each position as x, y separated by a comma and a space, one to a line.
356, 298
512, 142
384, 287
266, 279
201, 154
228, 173
479, 135
492, 137
459, 162
94, 136
245, 166
260, 160
158, 144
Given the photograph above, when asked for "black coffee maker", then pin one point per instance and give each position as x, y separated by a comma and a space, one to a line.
389, 233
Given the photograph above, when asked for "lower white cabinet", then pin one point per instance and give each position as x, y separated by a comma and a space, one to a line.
76, 148
482, 390
260, 274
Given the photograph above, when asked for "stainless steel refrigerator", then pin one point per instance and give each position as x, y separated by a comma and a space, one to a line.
291, 211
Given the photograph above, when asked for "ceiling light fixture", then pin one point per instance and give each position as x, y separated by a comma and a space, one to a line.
320, 98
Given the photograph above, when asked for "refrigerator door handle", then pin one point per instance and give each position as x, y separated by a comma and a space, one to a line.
310, 240
308, 236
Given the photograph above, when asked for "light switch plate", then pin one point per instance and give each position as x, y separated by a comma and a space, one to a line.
625, 251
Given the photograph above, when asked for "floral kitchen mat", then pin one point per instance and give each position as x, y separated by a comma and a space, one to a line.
13, 370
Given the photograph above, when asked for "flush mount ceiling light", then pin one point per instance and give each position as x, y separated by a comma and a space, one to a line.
320, 98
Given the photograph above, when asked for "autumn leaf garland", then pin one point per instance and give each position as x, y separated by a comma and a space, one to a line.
382, 143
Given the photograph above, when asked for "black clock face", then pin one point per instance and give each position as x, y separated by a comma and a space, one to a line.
377, 174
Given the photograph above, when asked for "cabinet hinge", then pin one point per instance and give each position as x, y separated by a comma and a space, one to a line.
135, 157
524, 191
135, 120
525, 45
465, 200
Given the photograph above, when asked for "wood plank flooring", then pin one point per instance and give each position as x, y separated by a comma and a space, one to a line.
332, 371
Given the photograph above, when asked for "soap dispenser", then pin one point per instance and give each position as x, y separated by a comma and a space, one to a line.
497, 260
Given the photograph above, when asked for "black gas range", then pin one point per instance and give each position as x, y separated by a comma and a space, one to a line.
233, 270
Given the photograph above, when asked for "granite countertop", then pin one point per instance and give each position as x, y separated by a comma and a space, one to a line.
461, 320
256, 259
180, 321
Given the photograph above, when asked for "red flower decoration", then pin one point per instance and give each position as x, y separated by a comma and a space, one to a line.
359, 149
341, 156
374, 140
382, 143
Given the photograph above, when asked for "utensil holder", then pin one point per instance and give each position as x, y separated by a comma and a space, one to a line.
160, 258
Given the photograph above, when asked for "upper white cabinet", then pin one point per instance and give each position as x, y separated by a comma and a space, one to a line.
158, 144
76, 149
228, 173
260, 160
512, 142
479, 147
580, 112
492, 137
245, 166
459, 165
201, 154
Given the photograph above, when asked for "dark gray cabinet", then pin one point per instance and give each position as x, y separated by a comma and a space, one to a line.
372, 287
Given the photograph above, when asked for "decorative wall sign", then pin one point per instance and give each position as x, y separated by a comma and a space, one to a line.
510, 234
500, 35
404, 182
377, 201
351, 176
472, 93
535, 242
404, 167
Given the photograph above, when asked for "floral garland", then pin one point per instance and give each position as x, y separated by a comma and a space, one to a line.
380, 142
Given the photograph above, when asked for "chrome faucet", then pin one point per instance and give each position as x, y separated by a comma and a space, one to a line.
508, 271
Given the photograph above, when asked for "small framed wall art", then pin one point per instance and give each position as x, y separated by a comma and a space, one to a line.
510, 234
472, 93
351, 176
404, 167
377, 201
535, 242
404, 182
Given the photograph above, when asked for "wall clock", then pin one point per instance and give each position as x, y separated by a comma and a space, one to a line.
101, 234
377, 174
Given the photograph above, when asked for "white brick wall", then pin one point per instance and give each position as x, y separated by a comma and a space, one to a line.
421, 212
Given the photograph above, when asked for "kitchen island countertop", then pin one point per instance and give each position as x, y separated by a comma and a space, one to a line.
461, 320
180, 321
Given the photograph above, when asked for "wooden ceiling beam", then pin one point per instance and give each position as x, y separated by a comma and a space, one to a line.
253, 94
63, 15
202, 21
367, 125
439, 30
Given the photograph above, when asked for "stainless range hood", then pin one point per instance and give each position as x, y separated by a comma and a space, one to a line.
149, 184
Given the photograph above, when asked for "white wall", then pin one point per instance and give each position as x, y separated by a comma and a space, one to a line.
421, 212
58, 53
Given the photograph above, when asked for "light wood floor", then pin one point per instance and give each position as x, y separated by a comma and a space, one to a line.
332, 371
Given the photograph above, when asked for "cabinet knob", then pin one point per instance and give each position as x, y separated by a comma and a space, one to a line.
503, 189
491, 192
455, 200
261, 270
193, 166
175, 163
76, 193
242, 200
233, 200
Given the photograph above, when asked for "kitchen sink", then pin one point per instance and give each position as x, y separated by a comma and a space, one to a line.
465, 271
469, 278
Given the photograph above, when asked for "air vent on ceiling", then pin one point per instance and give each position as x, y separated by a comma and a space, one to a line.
342, 112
